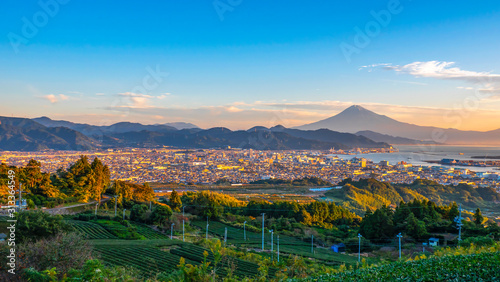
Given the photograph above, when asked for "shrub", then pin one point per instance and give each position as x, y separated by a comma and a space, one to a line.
478, 241
62, 251
32, 225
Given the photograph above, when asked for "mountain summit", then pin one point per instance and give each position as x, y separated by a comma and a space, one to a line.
356, 118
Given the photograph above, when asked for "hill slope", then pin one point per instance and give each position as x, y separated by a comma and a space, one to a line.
370, 193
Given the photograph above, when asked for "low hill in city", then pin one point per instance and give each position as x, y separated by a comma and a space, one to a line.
371, 194
393, 140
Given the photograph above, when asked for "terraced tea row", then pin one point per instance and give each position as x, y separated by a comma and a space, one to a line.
91, 230
146, 259
243, 268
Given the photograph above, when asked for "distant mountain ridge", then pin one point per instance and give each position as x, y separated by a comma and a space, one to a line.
121, 127
21, 134
43, 133
356, 118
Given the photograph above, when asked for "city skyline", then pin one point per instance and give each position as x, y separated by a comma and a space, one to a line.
237, 66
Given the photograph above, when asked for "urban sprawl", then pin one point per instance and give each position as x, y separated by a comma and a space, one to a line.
207, 166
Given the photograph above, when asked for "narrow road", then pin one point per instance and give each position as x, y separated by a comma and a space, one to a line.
64, 210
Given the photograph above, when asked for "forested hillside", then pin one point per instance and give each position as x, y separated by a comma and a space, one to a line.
358, 196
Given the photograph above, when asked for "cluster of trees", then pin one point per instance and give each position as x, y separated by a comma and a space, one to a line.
160, 214
83, 181
306, 181
209, 204
315, 213
418, 219
214, 205
128, 193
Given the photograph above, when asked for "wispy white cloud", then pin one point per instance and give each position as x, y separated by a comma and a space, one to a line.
372, 66
135, 100
439, 70
55, 98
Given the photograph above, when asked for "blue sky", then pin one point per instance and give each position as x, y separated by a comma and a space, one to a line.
242, 63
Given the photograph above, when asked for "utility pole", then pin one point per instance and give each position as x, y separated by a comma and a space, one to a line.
124, 213
312, 244
183, 224
272, 246
278, 248
20, 197
400, 236
459, 224
244, 232
206, 235
172, 230
359, 247
116, 202
96, 205
225, 236
263, 231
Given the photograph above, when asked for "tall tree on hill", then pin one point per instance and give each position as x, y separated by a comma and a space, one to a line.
414, 227
377, 226
143, 193
175, 201
35, 181
101, 178
80, 179
453, 211
478, 217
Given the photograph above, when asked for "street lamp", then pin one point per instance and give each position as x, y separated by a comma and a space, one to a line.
171, 230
